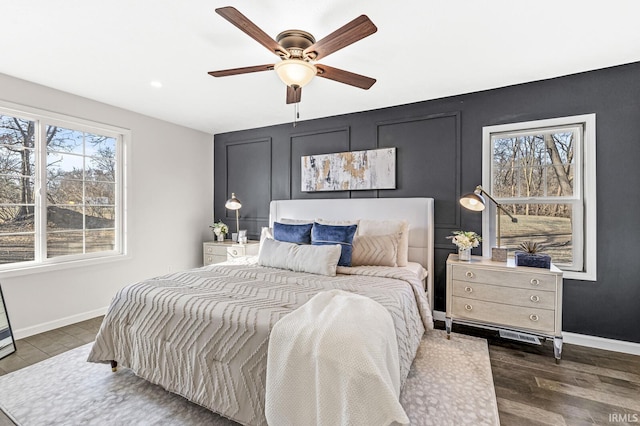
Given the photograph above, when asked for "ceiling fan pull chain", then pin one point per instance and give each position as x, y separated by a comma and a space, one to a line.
296, 113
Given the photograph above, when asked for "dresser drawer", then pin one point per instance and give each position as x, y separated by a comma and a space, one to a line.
536, 319
518, 279
533, 298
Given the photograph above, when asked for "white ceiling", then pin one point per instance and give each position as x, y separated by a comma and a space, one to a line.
111, 50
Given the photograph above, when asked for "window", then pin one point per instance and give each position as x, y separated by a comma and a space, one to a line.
543, 172
61, 189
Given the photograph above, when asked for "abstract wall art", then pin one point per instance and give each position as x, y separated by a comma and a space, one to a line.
348, 171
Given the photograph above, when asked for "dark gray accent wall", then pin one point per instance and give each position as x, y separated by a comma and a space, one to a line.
439, 155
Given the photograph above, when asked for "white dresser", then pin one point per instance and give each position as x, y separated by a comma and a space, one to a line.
220, 251
502, 296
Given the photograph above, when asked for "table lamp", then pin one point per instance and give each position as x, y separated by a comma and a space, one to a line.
475, 201
234, 204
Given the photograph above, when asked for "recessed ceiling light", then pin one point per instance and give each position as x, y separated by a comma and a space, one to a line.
156, 84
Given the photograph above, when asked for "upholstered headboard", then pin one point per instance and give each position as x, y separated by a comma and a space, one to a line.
418, 212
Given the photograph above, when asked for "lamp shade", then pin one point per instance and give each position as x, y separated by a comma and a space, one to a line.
473, 201
233, 203
295, 72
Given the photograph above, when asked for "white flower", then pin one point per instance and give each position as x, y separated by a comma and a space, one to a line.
219, 228
465, 240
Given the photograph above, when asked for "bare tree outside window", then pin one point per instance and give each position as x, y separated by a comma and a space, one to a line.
81, 209
79, 191
544, 172
534, 167
17, 181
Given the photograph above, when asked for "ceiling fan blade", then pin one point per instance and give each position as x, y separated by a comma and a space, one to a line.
243, 70
355, 30
294, 94
232, 15
345, 77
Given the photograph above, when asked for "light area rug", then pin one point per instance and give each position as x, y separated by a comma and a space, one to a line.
450, 383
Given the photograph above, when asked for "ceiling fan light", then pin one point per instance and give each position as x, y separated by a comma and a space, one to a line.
295, 72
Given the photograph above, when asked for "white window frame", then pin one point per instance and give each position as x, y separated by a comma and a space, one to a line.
584, 187
43, 119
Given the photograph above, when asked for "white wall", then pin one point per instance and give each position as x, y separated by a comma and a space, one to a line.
169, 212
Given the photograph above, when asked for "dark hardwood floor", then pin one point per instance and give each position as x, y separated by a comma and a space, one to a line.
589, 386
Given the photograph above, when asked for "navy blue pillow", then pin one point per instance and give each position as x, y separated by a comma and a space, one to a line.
335, 234
299, 234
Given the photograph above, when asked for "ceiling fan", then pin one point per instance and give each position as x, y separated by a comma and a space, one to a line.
298, 51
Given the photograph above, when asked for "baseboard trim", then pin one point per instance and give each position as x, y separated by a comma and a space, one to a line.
62, 322
601, 343
583, 340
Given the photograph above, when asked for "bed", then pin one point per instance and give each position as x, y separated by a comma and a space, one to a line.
204, 333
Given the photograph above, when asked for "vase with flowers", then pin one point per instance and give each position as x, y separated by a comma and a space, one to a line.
465, 241
220, 229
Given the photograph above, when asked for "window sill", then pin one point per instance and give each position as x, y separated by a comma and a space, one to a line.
582, 276
21, 270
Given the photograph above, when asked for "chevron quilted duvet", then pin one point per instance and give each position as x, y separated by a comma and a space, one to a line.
204, 333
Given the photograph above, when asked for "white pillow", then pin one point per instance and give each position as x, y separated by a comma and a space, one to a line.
288, 221
375, 250
337, 222
264, 234
321, 260
383, 227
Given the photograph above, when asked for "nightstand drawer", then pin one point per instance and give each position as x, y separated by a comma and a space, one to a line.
214, 251
541, 320
210, 259
532, 298
219, 249
539, 281
239, 250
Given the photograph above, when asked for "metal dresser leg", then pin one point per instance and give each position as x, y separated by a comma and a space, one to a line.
557, 348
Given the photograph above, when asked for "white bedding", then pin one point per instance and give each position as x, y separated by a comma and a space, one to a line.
334, 361
417, 269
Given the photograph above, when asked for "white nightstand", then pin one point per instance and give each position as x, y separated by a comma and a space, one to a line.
502, 296
220, 251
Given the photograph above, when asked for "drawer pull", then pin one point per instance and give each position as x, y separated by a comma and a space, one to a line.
468, 289
209, 249
533, 317
468, 307
469, 274
535, 298
234, 252
535, 281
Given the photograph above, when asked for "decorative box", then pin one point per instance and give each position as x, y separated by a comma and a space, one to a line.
533, 260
